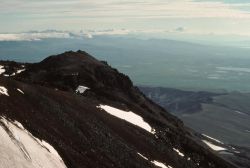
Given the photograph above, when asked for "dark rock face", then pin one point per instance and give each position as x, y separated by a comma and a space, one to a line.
86, 136
69, 69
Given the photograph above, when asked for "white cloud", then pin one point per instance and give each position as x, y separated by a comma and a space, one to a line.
127, 8
149, 9
111, 32
149, 16
36, 35
39, 35
163, 9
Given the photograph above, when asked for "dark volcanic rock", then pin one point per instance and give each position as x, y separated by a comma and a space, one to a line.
86, 136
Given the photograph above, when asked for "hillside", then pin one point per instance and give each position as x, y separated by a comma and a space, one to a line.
93, 116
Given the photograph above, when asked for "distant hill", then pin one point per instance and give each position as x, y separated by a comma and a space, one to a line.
225, 116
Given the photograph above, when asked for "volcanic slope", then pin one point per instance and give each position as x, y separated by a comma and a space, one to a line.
93, 117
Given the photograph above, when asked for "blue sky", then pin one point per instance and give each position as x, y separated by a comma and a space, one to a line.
224, 18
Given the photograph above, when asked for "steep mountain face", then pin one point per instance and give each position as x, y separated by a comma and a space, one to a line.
93, 116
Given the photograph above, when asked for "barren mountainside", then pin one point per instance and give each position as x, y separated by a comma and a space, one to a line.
93, 116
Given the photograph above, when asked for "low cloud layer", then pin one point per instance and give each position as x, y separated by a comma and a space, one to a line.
199, 16
39, 35
126, 8
32, 36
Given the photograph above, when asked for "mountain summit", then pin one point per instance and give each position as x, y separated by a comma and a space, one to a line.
71, 110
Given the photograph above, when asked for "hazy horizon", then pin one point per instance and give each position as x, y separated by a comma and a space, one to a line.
211, 37
217, 22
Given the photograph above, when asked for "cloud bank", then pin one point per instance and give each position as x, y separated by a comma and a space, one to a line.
186, 16
125, 8
40, 35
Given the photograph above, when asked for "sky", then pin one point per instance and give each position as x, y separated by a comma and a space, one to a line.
180, 18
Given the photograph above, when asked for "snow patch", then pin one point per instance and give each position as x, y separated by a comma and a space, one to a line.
19, 90
159, 164
216, 140
13, 74
239, 112
20, 70
19, 148
2, 70
142, 156
3, 91
128, 116
81, 89
155, 162
179, 153
214, 147
19, 125
48, 147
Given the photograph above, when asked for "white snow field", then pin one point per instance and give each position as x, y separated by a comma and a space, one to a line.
19, 90
128, 116
214, 147
20, 149
2, 70
20, 70
81, 89
156, 163
178, 151
213, 139
3, 91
